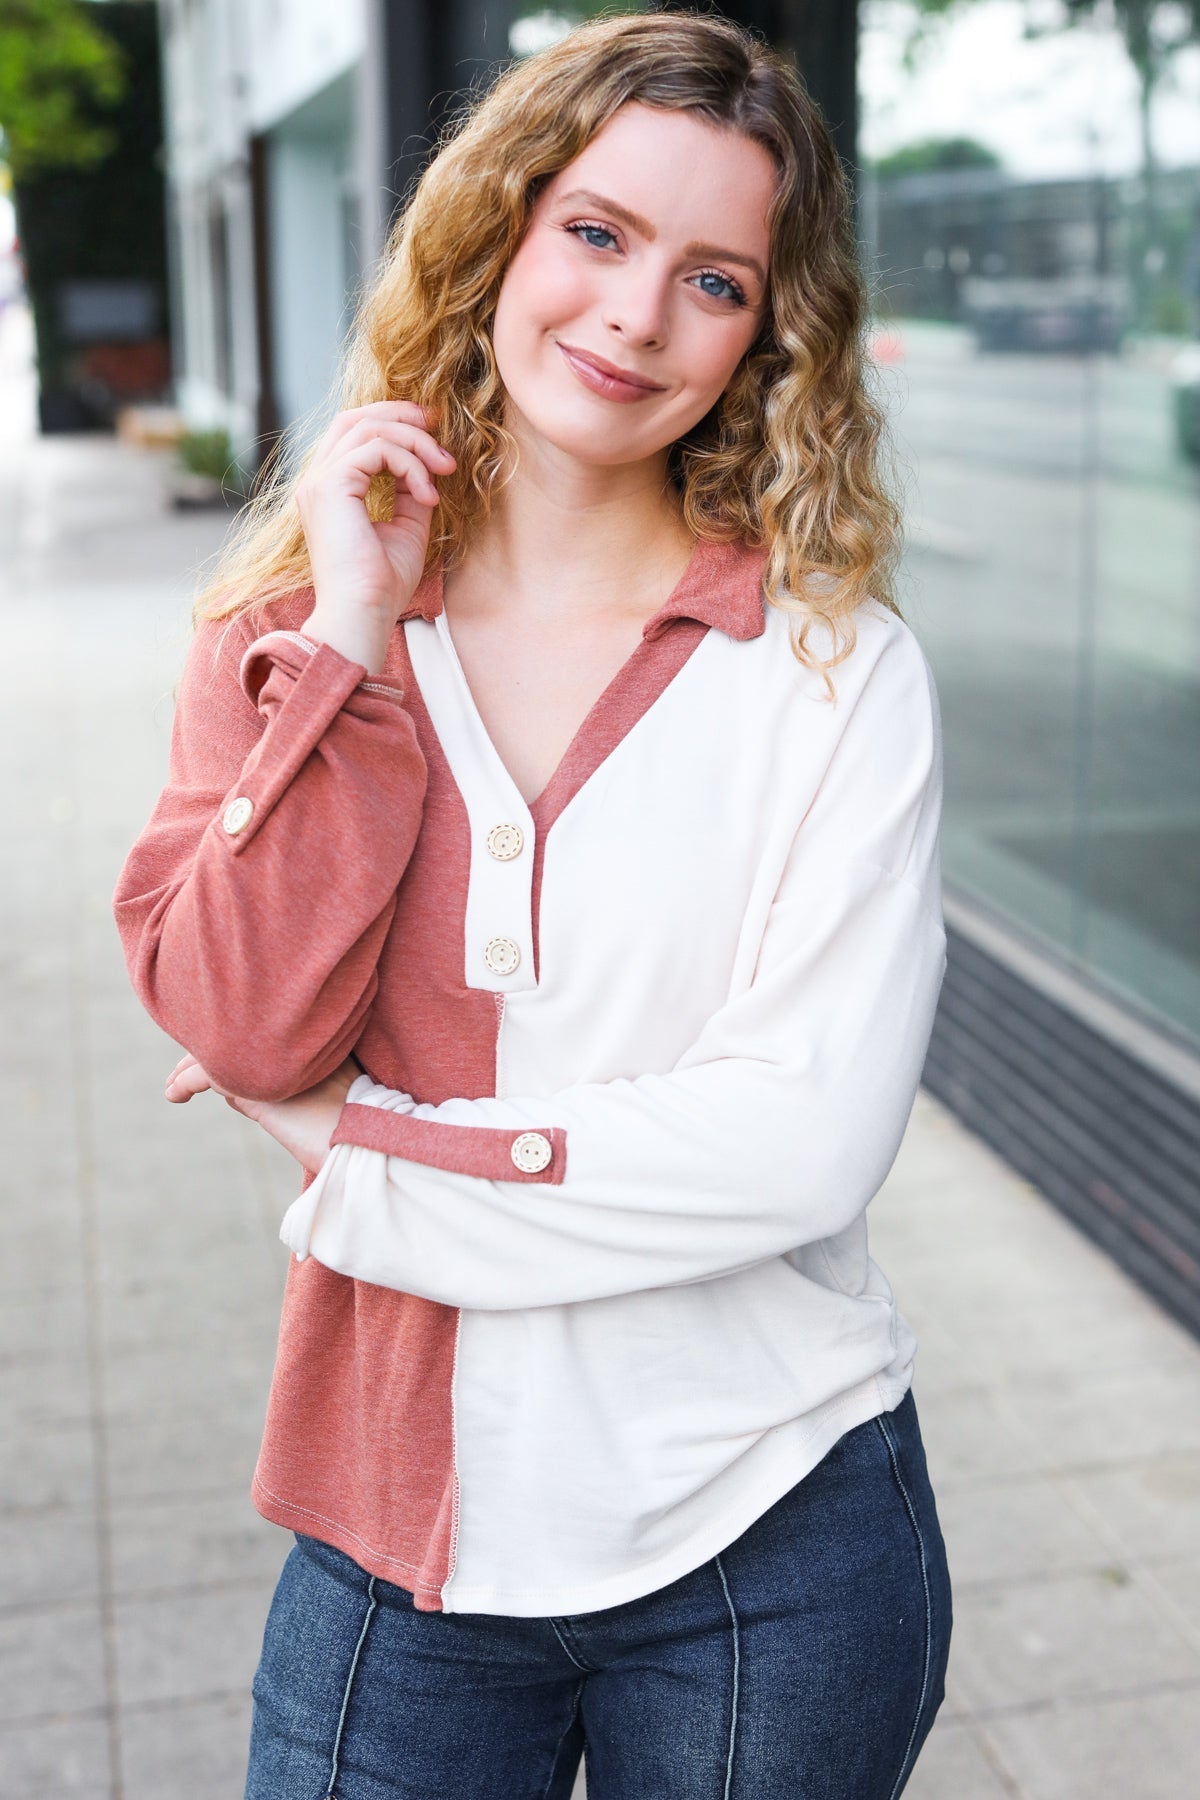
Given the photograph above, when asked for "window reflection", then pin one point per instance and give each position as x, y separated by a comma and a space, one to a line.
1032, 217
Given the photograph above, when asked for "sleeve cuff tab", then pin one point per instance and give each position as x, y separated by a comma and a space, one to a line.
530, 1155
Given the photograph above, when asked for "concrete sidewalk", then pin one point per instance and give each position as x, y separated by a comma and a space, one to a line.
1061, 1409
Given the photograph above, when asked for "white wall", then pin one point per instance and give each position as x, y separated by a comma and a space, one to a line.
234, 67
297, 47
290, 69
311, 185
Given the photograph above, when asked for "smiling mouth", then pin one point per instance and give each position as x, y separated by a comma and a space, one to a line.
606, 378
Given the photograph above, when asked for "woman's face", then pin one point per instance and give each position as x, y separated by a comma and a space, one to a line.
639, 286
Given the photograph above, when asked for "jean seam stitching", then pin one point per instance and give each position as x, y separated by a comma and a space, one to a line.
565, 1730
586, 1668
737, 1664
331, 1791
894, 1458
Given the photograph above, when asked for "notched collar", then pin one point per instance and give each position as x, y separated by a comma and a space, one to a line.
426, 602
721, 586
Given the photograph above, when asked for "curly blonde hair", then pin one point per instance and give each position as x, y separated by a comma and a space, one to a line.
788, 459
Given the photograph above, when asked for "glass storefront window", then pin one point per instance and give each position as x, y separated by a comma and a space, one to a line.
1030, 216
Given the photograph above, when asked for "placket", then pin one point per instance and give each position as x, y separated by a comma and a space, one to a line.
498, 934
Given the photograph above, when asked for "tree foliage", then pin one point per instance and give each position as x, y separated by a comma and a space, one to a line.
936, 153
58, 71
1152, 30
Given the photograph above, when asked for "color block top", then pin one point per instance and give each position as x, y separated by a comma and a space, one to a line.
583, 1286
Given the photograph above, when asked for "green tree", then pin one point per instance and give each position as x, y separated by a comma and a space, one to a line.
936, 153
56, 67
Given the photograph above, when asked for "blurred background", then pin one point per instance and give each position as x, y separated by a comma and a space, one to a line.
192, 194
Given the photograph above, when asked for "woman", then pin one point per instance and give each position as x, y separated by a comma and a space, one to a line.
526, 873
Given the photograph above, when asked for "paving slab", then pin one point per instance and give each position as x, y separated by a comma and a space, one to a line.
66, 1759
186, 1542
51, 1661
1129, 1747
193, 1644
1151, 1506
194, 1750
956, 1765
1019, 1529
44, 1469
48, 1558
1066, 1637
1176, 1581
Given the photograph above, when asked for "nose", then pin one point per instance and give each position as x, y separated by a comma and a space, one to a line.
636, 306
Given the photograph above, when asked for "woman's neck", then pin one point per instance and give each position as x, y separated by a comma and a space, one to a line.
561, 534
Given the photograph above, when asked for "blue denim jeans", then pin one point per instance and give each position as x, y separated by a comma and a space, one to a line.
805, 1661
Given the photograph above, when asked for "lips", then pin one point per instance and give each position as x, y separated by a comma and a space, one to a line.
603, 377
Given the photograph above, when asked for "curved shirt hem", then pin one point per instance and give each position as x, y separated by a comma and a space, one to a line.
793, 1456
292, 1515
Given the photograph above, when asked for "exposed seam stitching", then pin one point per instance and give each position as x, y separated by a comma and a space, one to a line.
309, 1513
452, 1554
562, 1740
380, 687
893, 1455
496, 1081
562, 1640
341, 1725
737, 1663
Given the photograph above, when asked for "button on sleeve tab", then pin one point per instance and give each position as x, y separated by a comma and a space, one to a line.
237, 815
531, 1152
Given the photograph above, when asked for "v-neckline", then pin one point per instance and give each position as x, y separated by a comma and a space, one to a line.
542, 808
537, 807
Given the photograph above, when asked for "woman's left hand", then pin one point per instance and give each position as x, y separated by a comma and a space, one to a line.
303, 1125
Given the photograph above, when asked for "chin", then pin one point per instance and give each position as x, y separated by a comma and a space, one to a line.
594, 441
598, 435
598, 453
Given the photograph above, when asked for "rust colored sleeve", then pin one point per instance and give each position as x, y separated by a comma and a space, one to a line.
253, 907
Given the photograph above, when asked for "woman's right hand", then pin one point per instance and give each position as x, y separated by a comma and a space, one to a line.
365, 571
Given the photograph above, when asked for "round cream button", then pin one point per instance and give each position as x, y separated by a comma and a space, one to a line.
505, 842
237, 815
531, 1152
501, 955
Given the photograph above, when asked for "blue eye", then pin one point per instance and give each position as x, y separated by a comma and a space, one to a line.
589, 234
725, 288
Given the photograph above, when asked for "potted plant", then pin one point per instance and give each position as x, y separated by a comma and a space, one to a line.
206, 471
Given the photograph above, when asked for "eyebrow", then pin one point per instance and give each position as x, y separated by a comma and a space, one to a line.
636, 223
